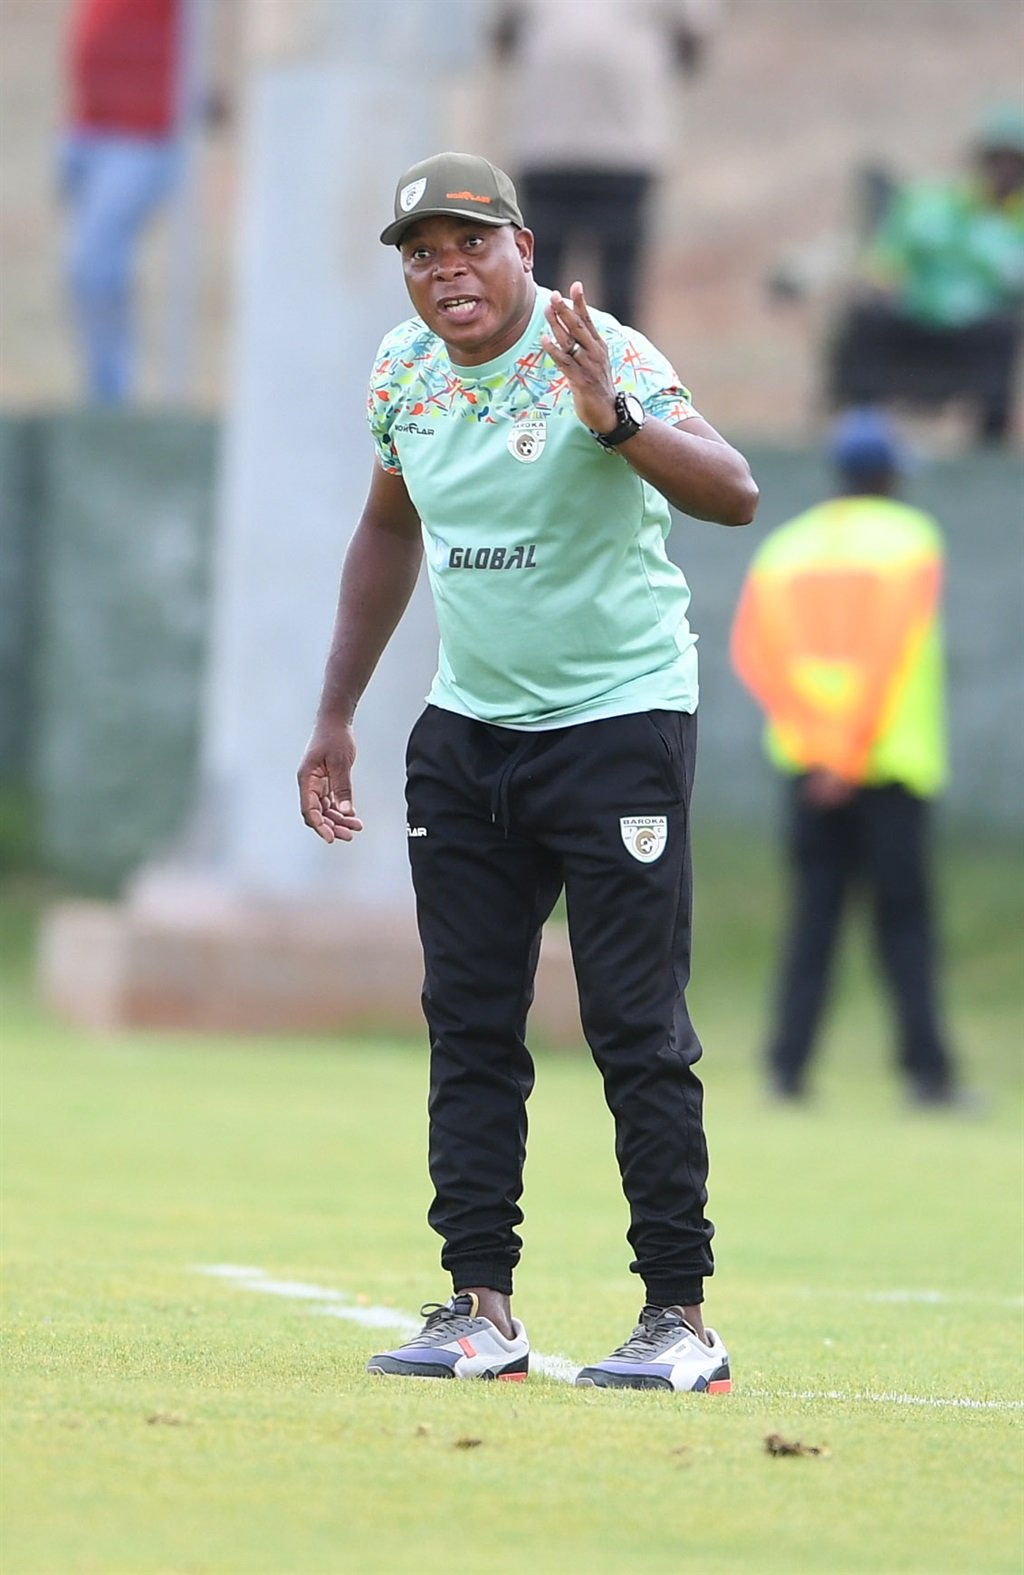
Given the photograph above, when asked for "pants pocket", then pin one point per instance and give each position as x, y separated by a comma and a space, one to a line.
666, 729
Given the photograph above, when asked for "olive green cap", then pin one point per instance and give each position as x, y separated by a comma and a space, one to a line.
461, 184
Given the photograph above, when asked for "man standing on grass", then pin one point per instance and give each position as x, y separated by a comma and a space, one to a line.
531, 446
837, 636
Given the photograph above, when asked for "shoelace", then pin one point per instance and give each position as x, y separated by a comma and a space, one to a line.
649, 1336
441, 1321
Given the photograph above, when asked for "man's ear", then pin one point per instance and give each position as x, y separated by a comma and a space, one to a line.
524, 246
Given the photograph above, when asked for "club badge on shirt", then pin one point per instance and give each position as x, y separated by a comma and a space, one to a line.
644, 836
527, 438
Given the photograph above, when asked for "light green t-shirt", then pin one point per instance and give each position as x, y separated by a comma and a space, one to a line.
556, 600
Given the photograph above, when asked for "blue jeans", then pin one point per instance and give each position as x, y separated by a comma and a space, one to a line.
112, 184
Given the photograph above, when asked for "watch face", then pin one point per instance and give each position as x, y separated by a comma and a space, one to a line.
634, 409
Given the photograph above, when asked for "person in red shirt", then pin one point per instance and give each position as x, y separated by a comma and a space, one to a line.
119, 162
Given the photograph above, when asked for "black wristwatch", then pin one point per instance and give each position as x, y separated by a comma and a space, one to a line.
630, 415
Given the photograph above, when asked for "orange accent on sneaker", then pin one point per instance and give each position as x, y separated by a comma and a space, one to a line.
721, 1386
511, 1378
468, 1347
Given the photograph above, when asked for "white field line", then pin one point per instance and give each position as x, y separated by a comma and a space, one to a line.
890, 1397
337, 1304
918, 1297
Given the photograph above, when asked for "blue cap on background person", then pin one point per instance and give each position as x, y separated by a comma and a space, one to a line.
864, 443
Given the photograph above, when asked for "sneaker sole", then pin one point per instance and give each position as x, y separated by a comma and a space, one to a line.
390, 1367
595, 1378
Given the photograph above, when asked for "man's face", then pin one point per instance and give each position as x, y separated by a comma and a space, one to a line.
471, 283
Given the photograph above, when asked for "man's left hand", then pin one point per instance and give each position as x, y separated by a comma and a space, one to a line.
824, 789
581, 355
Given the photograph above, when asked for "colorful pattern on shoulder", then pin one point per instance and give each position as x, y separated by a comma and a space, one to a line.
413, 376
639, 367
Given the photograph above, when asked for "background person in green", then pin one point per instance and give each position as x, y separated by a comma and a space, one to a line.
527, 447
939, 316
837, 636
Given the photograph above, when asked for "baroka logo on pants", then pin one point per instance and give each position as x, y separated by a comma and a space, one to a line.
644, 835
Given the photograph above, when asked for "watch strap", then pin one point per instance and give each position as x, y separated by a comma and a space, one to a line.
627, 425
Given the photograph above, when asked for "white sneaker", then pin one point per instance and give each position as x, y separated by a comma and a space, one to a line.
663, 1352
455, 1342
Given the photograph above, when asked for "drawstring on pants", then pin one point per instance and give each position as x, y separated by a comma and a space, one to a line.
503, 783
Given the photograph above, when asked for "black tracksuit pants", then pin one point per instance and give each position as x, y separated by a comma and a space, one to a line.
878, 837
499, 822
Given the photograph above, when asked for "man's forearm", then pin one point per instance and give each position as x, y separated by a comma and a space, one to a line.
702, 476
377, 580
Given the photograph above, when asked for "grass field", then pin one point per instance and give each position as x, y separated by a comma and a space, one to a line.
159, 1418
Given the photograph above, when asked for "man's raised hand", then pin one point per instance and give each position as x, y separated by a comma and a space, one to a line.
580, 353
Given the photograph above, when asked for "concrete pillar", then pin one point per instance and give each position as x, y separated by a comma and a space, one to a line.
334, 112
253, 923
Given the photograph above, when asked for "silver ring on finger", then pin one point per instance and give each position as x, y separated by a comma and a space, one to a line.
574, 348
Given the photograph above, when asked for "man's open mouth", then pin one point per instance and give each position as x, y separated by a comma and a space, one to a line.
459, 306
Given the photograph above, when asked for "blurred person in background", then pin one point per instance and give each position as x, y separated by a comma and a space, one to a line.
538, 442
939, 314
592, 84
837, 636
119, 160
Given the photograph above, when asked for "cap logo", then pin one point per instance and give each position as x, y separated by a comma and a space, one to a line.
464, 196
410, 195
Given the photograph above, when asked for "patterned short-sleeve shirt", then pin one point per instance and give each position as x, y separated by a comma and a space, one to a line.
556, 600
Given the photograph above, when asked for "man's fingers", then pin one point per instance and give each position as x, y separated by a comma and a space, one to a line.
331, 823
316, 821
312, 808
327, 810
310, 797
560, 356
563, 315
579, 302
342, 819
563, 334
339, 811
572, 315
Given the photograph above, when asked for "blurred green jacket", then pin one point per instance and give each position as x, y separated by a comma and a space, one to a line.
949, 255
